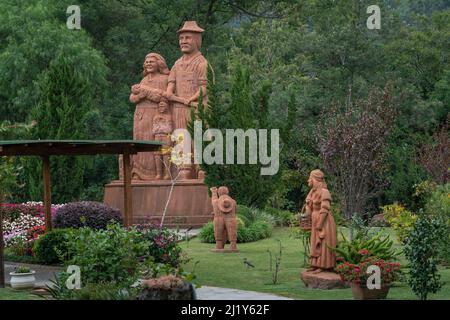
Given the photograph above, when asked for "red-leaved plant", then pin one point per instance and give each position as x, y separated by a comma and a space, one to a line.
357, 273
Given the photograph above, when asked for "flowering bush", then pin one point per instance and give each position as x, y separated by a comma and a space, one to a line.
401, 220
163, 246
23, 224
357, 273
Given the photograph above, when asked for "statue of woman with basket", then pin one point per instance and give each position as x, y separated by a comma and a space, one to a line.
316, 216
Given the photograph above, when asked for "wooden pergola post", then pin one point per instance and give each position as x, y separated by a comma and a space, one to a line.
127, 192
47, 193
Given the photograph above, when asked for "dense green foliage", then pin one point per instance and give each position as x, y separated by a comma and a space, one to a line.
422, 250
366, 245
60, 113
253, 225
438, 205
51, 248
163, 246
111, 255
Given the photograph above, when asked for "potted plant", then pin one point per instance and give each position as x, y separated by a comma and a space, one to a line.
357, 255
356, 275
22, 278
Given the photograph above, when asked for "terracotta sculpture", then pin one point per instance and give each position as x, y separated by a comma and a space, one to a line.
162, 128
225, 222
147, 95
187, 78
323, 228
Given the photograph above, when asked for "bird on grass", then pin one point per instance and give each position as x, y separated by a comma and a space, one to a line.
248, 264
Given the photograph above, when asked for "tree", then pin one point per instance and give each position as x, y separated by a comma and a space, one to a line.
243, 112
60, 114
353, 148
8, 165
435, 157
422, 249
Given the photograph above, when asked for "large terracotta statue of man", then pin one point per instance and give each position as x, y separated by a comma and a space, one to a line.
186, 80
188, 74
323, 228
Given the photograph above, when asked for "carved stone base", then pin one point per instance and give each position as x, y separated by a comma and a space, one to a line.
190, 205
225, 250
323, 280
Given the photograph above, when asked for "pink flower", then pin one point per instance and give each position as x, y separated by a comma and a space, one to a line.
363, 252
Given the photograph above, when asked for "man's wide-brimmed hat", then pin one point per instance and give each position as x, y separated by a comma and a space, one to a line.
190, 26
225, 204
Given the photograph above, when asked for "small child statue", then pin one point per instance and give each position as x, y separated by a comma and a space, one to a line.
162, 128
225, 222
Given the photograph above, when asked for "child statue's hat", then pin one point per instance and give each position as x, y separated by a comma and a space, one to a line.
190, 26
225, 204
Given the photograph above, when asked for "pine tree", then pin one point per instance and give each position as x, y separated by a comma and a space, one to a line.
65, 99
243, 111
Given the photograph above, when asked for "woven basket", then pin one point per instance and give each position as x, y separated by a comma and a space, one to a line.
305, 220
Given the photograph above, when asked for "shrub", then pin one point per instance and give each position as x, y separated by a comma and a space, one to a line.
400, 219
104, 291
91, 291
52, 247
422, 249
250, 215
439, 205
206, 233
254, 232
90, 214
365, 245
111, 255
163, 246
283, 218
253, 225
357, 273
12, 211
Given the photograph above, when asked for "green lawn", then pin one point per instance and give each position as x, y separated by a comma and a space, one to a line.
11, 294
229, 270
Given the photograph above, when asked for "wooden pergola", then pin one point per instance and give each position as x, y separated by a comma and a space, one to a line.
47, 148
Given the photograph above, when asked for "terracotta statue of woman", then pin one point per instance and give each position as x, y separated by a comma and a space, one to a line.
148, 95
323, 228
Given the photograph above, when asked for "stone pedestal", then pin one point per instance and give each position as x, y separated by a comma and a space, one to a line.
190, 205
323, 280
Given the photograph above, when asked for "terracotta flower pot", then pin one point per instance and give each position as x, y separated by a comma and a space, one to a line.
363, 293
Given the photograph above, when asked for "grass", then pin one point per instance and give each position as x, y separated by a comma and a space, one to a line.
229, 270
11, 294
